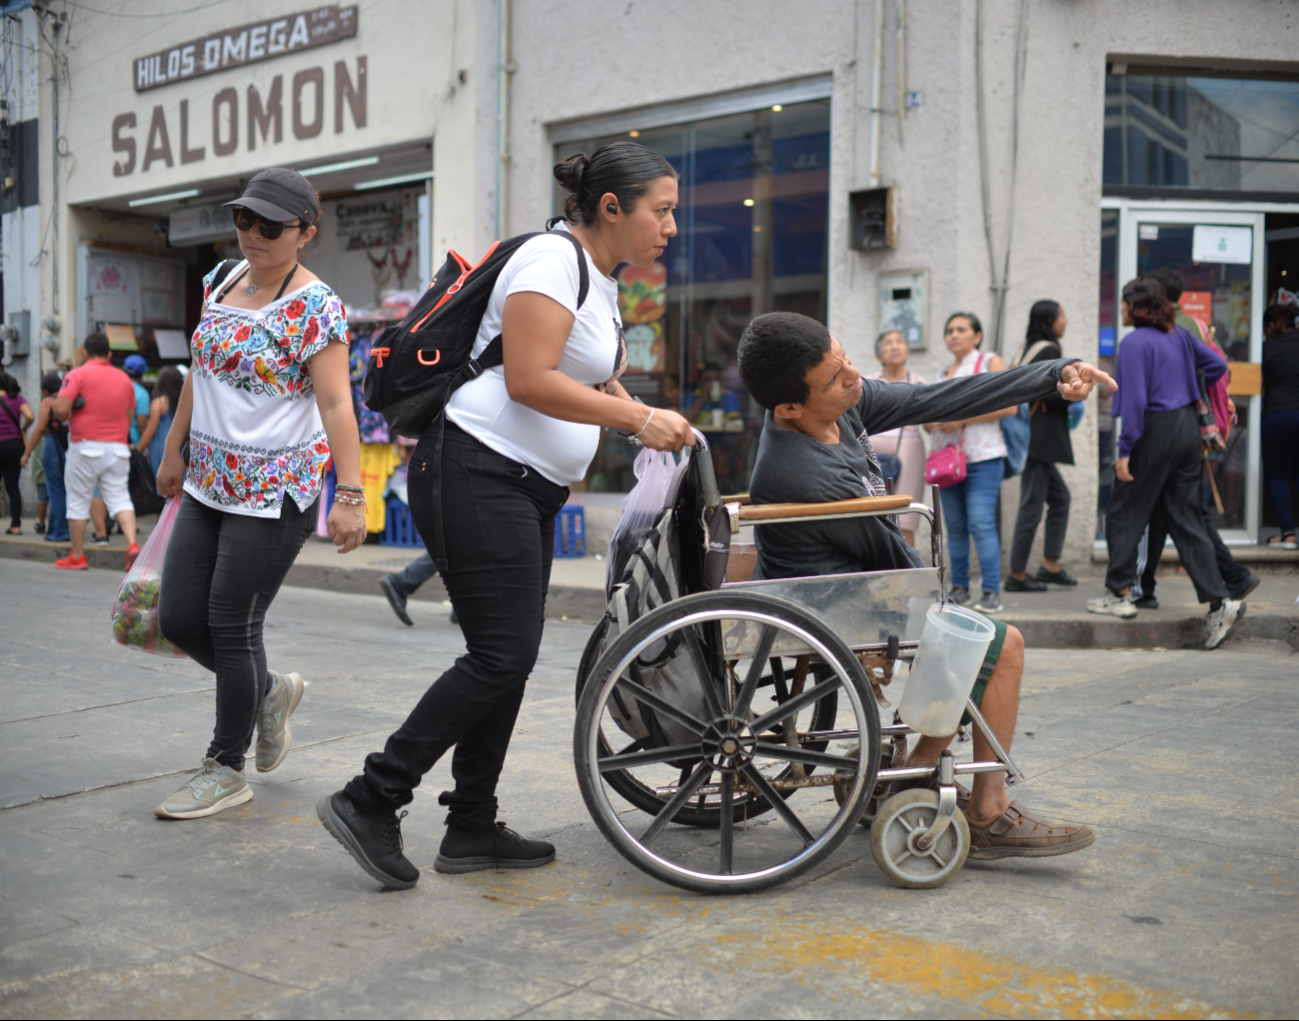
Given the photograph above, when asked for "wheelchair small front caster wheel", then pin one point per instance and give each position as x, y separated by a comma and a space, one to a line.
898, 824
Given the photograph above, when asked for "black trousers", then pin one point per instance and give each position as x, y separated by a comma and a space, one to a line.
1166, 470
498, 518
11, 452
1040, 483
1234, 575
221, 573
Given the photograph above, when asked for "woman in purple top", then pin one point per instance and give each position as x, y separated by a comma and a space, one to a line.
15, 417
1159, 461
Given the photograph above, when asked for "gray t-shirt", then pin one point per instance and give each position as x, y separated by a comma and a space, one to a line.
793, 468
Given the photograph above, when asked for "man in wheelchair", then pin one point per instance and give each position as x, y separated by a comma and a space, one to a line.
815, 447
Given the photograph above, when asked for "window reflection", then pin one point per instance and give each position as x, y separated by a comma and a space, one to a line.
752, 239
1202, 132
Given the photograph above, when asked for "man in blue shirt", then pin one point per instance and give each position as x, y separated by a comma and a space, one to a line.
135, 367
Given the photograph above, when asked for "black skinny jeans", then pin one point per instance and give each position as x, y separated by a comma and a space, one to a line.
11, 453
1041, 483
221, 573
499, 524
1167, 473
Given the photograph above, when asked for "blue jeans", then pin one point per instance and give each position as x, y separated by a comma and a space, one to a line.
415, 574
970, 509
56, 524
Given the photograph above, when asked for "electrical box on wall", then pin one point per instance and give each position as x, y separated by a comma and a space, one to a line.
873, 220
904, 305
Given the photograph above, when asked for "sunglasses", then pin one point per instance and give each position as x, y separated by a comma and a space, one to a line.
270, 229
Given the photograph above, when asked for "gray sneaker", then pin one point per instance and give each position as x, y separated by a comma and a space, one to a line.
213, 789
1222, 620
273, 738
1113, 604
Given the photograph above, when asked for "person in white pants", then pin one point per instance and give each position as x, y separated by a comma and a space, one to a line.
98, 401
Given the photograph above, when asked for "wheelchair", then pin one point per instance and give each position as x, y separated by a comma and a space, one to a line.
778, 752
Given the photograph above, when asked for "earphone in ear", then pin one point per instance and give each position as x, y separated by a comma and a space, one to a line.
611, 208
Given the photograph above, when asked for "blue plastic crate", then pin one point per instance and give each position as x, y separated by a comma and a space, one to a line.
399, 529
570, 532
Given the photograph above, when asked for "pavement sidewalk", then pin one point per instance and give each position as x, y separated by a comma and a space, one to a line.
1057, 619
1184, 906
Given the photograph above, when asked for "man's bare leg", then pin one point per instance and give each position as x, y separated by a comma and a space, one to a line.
126, 522
98, 516
1000, 707
77, 533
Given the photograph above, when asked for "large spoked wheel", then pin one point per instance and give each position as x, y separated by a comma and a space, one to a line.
745, 746
645, 785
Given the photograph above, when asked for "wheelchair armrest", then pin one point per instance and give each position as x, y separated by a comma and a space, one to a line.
755, 513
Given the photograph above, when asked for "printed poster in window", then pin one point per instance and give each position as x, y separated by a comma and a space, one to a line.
110, 276
642, 302
377, 221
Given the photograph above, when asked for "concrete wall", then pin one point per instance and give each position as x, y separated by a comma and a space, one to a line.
581, 58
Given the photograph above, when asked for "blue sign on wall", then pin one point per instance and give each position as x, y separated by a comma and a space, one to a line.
1106, 341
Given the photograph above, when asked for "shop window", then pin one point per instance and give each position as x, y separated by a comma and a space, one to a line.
752, 227
1201, 131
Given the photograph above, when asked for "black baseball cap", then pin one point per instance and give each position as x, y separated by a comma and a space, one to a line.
280, 194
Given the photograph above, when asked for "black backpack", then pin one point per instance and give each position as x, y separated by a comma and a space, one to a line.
418, 364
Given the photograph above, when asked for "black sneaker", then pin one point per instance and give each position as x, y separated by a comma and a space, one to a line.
396, 600
97, 540
373, 838
1146, 602
500, 848
1252, 582
1060, 577
1024, 584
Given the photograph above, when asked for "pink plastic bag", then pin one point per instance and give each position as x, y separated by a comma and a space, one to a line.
135, 610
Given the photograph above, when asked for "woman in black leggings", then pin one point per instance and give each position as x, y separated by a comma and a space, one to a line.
515, 438
266, 402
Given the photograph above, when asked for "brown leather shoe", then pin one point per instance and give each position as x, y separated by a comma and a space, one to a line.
1017, 833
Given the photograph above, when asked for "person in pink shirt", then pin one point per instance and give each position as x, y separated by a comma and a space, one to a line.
97, 400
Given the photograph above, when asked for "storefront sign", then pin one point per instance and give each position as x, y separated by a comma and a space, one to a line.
192, 225
246, 44
304, 102
1222, 244
377, 223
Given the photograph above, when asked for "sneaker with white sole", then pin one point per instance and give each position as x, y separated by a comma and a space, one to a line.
990, 603
1222, 620
213, 789
273, 737
1113, 604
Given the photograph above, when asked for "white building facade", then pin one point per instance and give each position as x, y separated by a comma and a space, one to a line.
861, 161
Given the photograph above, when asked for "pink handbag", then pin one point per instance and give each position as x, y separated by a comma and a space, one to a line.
945, 466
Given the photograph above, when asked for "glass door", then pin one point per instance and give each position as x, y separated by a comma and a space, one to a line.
1219, 254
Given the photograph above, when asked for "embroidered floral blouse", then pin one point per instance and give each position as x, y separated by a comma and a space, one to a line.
256, 434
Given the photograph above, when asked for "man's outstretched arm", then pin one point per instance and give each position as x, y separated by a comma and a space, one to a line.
886, 406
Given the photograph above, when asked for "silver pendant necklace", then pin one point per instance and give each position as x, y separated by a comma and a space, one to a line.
250, 290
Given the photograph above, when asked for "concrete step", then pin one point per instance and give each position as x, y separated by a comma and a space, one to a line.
1057, 619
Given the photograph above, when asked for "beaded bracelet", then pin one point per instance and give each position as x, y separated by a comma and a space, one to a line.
350, 496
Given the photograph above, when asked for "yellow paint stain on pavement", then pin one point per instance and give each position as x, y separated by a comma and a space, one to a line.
978, 981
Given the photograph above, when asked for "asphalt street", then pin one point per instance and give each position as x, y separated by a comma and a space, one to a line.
1183, 761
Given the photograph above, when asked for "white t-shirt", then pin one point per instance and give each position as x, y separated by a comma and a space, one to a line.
595, 353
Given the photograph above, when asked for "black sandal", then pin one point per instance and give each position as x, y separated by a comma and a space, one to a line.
1286, 540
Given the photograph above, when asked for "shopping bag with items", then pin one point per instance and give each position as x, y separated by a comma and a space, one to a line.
135, 610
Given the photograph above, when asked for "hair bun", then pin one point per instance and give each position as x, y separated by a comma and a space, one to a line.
571, 171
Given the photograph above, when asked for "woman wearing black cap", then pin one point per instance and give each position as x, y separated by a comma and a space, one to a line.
516, 437
265, 405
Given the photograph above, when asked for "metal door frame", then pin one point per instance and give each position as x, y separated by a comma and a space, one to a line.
1228, 214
